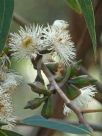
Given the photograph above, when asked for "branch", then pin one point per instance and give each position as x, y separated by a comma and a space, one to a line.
84, 72
64, 97
20, 20
91, 111
60, 92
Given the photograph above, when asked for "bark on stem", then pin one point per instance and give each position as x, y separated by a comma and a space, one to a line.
64, 97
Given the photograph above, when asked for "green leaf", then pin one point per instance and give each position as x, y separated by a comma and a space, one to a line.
2, 124
88, 12
8, 133
75, 68
71, 91
35, 103
6, 10
74, 4
39, 88
81, 80
56, 125
47, 109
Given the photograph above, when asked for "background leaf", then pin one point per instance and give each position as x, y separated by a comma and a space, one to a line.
74, 4
88, 12
6, 10
81, 80
2, 124
56, 125
8, 133
86, 8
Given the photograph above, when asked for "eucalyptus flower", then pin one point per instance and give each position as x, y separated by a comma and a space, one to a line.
6, 109
8, 83
82, 101
62, 24
27, 42
59, 41
11, 82
34, 39
2, 75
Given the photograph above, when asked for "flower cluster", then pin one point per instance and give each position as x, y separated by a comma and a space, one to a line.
34, 39
11, 82
54, 40
8, 83
6, 109
82, 101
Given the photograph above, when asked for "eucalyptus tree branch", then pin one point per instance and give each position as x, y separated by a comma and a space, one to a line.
64, 97
91, 111
59, 90
20, 20
84, 72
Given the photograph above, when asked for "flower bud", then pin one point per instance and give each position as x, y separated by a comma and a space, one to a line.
35, 103
39, 88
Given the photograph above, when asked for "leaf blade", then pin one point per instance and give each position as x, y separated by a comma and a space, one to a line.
8, 133
55, 124
88, 12
6, 10
74, 4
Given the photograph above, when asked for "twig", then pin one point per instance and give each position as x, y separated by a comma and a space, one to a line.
84, 72
51, 79
91, 111
20, 20
64, 97
61, 93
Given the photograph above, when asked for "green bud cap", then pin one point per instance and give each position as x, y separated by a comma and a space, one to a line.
38, 87
33, 104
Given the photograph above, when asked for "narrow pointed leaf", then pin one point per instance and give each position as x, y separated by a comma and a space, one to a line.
47, 109
8, 133
88, 12
6, 10
55, 124
74, 4
81, 80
